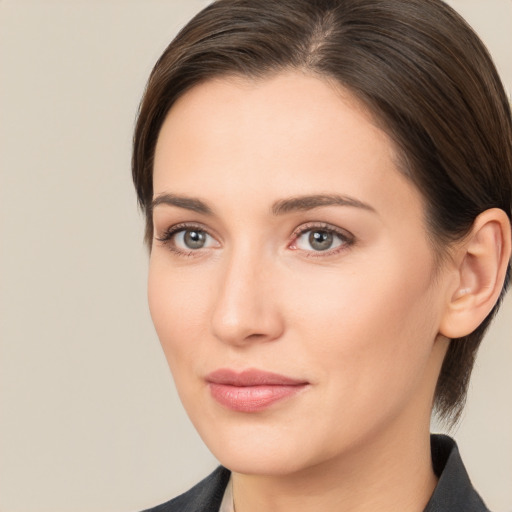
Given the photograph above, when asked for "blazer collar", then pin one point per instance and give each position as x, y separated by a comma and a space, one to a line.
454, 490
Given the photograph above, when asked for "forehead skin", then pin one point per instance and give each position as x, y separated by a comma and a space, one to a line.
226, 116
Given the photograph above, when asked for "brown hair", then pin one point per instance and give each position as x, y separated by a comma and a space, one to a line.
418, 67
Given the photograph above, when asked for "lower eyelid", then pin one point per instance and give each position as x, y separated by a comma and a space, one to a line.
341, 245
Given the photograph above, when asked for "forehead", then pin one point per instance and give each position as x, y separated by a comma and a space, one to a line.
288, 134
291, 97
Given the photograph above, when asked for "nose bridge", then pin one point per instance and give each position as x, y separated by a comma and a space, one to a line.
245, 307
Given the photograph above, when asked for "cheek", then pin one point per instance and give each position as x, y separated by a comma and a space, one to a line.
177, 303
369, 329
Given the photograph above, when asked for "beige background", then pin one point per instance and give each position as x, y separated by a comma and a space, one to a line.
89, 420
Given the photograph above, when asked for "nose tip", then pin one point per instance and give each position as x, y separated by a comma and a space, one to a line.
246, 309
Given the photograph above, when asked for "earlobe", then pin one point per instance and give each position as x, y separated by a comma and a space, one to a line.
482, 260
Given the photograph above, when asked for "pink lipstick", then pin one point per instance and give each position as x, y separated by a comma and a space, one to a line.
251, 390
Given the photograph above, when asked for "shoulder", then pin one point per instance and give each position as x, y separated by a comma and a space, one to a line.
206, 496
454, 490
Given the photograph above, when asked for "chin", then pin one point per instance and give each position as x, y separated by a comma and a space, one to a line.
272, 463
259, 450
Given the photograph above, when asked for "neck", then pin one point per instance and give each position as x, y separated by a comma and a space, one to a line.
393, 472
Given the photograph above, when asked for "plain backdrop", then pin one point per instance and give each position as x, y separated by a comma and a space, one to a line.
89, 419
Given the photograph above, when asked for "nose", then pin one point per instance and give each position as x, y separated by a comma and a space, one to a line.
246, 309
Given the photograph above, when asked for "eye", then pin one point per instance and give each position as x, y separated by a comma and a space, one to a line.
186, 239
321, 239
192, 239
318, 240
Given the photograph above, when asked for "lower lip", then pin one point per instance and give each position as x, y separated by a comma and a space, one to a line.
252, 398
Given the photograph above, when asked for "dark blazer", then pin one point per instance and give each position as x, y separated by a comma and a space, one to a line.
453, 493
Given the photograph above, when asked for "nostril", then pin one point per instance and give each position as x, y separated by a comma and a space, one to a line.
255, 336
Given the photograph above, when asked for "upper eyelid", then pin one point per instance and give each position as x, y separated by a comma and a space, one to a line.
321, 226
183, 226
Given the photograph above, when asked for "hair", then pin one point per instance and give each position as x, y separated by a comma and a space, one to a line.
418, 67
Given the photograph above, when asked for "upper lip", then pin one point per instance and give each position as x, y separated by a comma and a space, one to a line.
251, 377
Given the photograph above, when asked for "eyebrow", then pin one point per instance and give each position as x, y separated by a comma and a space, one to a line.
188, 203
304, 203
281, 207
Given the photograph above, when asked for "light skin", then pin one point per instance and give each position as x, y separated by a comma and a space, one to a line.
286, 240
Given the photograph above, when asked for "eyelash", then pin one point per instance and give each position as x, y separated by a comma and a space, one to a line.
347, 239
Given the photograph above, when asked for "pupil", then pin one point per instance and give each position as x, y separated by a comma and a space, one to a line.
320, 240
194, 239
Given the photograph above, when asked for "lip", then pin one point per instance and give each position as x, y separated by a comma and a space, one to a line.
251, 390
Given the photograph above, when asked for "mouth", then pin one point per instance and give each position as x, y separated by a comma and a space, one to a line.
251, 390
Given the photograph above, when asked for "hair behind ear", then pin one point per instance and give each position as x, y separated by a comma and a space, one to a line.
482, 264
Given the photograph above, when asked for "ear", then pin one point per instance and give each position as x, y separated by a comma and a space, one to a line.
481, 263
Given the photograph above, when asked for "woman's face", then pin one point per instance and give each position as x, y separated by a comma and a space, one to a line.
291, 280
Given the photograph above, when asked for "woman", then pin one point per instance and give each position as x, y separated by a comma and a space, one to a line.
327, 187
